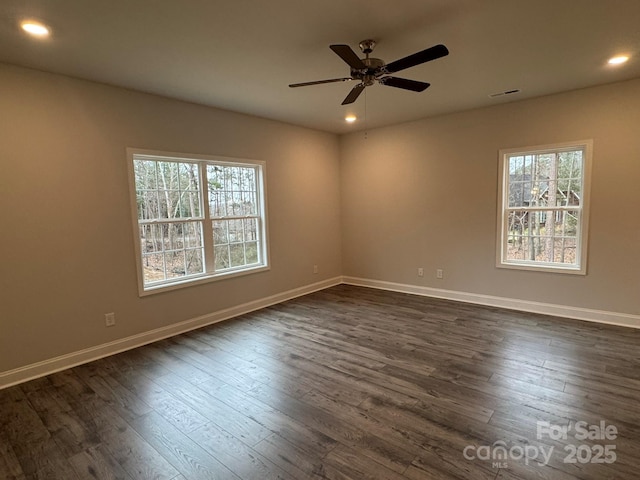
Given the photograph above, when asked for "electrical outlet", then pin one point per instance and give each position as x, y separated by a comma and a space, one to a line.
439, 273
421, 272
109, 319
315, 269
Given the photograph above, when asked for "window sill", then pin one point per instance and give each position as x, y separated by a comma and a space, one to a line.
548, 268
144, 291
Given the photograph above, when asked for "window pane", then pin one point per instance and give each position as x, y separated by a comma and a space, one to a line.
236, 242
570, 178
518, 248
153, 267
521, 181
520, 194
221, 253
215, 191
565, 250
518, 220
550, 179
192, 234
251, 205
189, 177
167, 189
236, 231
220, 232
547, 236
181, 204
174, 238
215, 176
171, 250
250, 229
251, 252
194, 263
158, 237
145, 174
148, 204
236, 202
149, 241
175, 264
232, 191
236, 254
217, 204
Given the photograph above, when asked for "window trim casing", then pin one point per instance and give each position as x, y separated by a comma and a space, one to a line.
206, 277
502, 211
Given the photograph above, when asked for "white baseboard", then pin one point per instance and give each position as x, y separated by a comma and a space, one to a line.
46, 367
599, 316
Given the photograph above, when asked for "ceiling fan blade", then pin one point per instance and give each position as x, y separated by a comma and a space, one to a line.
349, 56
412, 85
319, 82
353, 94
427, 55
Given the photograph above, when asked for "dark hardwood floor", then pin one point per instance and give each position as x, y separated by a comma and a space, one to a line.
347, 383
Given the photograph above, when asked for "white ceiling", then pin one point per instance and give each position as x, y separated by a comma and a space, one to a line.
242, 54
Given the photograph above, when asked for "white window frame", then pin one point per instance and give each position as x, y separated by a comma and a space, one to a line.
503, 209
210, 273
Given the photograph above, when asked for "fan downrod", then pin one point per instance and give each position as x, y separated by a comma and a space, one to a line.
373, 65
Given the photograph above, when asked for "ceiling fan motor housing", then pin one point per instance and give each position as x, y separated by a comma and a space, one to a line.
371, 73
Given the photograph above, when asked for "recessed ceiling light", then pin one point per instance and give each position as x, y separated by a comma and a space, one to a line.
618, 60
35, 28
350, 118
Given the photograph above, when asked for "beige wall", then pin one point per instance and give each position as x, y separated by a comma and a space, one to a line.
66, 241
420, 194
423, 194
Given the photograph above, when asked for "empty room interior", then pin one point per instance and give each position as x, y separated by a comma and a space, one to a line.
320, 240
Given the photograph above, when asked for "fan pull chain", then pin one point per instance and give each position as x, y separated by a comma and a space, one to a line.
366, 128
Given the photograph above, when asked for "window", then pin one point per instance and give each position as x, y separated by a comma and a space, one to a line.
543, 207
197, 218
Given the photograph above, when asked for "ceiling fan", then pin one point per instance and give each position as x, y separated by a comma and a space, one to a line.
370, 70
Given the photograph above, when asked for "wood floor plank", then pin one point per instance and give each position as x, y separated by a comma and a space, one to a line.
171, 408
238, 457
10, 468
128, 405
215, 410
298, 457
97, 463
347, 433
437, 462
346, 463
136, 456
96, 413
190, 458
66, 427
378, 436
23, 429
50, 463
289, 438
158, 355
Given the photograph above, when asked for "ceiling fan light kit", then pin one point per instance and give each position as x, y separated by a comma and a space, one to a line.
370, 70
